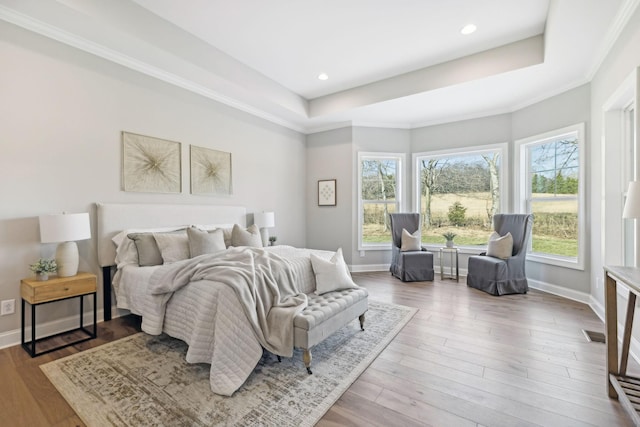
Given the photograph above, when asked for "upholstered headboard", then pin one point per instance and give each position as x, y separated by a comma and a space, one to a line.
112, 218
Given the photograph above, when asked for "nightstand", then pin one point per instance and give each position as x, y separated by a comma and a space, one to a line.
37, 292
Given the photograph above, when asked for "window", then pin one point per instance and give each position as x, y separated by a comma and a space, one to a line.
379, 191
458, 191
551, 187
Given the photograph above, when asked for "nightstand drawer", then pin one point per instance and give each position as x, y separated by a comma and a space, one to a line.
36, 292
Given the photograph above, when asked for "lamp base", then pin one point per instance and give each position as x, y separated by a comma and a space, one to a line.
264, 233
67, 259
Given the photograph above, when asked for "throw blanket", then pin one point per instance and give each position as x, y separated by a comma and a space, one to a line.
263, 282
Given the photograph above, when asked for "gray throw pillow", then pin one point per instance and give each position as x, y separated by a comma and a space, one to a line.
148, 251
173, 246
205, 242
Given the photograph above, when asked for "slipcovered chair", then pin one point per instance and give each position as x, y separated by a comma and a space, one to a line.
408, 266
498, 276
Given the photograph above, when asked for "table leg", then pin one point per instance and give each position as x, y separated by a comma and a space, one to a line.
33, 330
626, 340
611, 328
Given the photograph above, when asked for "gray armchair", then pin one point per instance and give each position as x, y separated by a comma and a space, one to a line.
504, 276
409, 266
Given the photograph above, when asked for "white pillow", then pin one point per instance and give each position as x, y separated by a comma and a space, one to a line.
332, 275
249, 237
410, 242
500, 246
173, 246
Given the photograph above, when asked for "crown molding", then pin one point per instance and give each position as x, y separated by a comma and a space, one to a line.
73, 40
621, 20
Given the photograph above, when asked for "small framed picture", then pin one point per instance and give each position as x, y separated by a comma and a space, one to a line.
327, 192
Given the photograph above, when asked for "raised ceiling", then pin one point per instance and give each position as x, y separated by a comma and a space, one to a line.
390, 63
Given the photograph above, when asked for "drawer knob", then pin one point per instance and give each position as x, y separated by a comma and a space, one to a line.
66, 289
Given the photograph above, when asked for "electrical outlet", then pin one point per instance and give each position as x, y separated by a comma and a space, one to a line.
7, 307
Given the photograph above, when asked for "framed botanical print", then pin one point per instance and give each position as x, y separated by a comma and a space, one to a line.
327, 195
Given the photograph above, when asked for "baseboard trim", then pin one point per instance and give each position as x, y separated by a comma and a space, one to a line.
11, 338
571, 294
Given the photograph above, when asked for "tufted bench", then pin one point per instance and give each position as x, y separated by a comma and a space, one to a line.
324, 315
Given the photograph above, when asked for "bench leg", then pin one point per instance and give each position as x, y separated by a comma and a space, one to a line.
361, 319
306, 358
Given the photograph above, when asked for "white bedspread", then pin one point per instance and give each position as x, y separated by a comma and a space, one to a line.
208, 315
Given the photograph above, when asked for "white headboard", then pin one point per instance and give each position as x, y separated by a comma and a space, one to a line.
112, 218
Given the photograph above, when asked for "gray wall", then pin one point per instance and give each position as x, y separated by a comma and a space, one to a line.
563, 110
61, 114
330, 155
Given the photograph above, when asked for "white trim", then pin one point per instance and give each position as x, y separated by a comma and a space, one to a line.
625, 12
366, 268
522, 193
12, 338
560, 291
116, 57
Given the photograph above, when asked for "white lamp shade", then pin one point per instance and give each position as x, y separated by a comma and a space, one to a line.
264, 219
64, 228
632, 205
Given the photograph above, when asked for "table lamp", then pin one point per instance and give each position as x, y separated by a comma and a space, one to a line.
264, 221
65, 229
632, 205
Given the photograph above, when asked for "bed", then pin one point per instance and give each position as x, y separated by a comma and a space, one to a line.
196, 303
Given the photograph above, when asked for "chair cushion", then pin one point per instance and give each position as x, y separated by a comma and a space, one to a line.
500, 246
410, 242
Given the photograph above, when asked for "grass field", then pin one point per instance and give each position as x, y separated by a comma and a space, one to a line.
547, 238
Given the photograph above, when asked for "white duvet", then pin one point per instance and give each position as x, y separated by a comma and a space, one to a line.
210, 317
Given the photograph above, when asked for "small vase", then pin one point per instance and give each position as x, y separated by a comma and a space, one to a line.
42, 276
449, 243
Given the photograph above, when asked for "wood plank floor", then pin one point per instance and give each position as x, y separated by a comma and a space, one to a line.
465, 359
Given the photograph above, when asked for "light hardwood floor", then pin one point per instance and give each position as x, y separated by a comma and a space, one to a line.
465, 359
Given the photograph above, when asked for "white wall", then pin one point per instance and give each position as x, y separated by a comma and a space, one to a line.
607, 157
61, 114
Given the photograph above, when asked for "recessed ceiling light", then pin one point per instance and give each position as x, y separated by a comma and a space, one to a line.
323, 76
468, 29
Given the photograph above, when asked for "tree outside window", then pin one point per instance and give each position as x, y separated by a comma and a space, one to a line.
553, 184
379, 191
459, 192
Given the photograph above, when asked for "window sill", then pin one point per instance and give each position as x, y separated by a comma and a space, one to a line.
570, 263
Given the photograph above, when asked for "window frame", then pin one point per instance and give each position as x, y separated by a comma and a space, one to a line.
501, 147
367, 155
523, 195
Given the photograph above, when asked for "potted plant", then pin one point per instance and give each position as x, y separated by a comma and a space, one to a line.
272, 240
43, 267
449, 236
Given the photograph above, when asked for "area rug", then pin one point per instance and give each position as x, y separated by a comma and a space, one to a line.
144, 380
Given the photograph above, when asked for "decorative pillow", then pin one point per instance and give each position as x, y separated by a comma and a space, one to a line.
500, 246
410, 242
126, 252
249, 237
205, 242
148, 251
173, 246
331, 275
